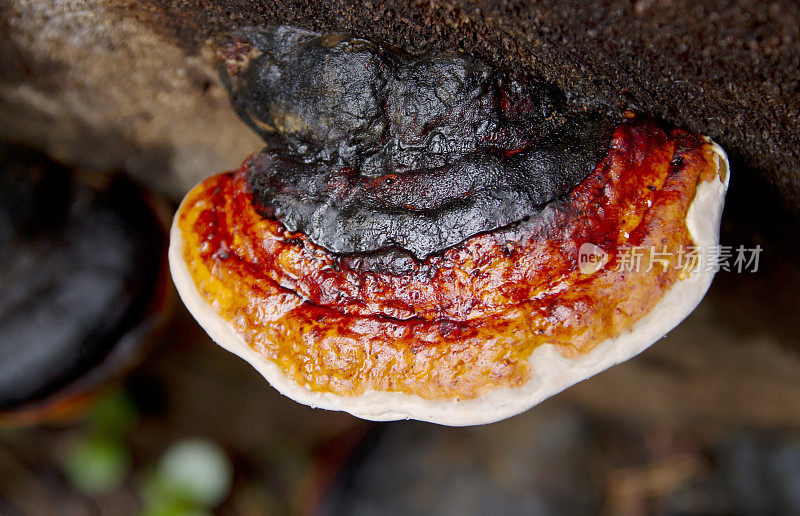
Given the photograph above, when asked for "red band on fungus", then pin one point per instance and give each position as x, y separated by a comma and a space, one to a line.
463, 320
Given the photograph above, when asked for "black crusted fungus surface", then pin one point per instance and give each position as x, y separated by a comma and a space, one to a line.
729, 69
369, 148
78, 267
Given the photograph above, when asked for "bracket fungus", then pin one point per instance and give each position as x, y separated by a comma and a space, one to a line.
84, 284
409, 242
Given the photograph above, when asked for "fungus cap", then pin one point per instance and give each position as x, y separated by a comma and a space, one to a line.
551, 371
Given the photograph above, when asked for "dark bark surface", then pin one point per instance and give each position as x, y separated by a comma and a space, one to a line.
726, 69
730, 70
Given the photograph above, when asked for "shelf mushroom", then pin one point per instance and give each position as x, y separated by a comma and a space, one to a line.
83, 284
429, 237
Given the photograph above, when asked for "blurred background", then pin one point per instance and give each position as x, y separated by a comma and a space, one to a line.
114, 401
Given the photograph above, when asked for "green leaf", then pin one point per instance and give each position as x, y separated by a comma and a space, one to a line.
98, 465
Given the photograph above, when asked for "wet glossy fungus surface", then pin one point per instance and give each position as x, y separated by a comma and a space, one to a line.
375, 152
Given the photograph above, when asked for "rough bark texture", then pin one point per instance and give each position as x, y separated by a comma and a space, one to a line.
138, 80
